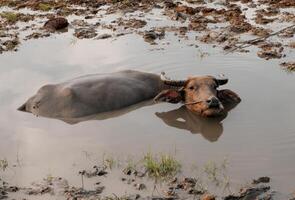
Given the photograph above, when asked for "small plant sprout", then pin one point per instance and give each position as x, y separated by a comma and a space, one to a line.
3, 164
110, 162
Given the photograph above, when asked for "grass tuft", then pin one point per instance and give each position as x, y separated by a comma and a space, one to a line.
44, 7
161, 167
10, 16
3, 164
110, 162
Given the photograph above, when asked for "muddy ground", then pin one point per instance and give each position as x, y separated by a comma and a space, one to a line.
232, 25
143, 180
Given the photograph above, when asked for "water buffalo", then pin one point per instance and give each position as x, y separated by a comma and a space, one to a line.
99, 93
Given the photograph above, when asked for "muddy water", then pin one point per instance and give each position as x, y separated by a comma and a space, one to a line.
257, 137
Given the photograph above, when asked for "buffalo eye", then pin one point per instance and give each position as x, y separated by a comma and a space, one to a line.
191, 88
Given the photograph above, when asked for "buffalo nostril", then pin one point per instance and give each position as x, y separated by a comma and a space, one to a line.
213, 102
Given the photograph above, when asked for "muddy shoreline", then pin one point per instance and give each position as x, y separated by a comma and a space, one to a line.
153, 177
231, 25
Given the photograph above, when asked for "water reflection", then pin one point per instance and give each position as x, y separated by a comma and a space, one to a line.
210, 128
108, 115
182, 118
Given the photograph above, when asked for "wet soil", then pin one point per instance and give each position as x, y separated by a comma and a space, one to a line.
225, 24
177, 187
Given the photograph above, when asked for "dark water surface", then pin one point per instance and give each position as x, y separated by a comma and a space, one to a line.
257, 137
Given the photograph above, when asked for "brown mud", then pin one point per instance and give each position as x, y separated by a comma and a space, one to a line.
177, 187
223, 24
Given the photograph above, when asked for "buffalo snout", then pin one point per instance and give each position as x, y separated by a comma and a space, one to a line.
213, 102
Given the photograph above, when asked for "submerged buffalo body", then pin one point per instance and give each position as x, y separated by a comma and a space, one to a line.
99, 93
92, 94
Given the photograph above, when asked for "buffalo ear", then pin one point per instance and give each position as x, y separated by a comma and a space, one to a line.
170, 96
228, 96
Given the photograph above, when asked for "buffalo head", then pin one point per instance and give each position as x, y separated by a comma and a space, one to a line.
199, 94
